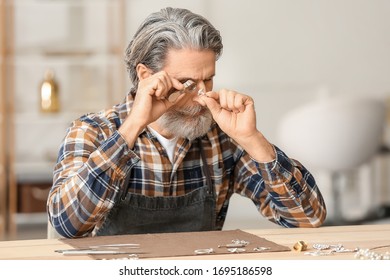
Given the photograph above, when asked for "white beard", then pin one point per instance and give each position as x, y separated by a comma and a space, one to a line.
185, 123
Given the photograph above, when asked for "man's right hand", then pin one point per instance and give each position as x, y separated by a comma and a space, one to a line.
150, 103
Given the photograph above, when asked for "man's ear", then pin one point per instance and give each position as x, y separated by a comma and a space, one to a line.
143, 71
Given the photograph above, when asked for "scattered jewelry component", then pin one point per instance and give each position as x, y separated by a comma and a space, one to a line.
260, 249
363, 254
337, 247
201, 92
117, 245
238, 241
102, 247
133, 257
111, 248
236, 250
327, 249
319, 246
319, 253
344, 250
367, 254
232, 245
204, 251
380, 247
95, 252
300, 246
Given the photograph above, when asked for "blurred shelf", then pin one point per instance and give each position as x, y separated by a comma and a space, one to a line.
60, 118
32, 172
83, 42
31, 218
61, 3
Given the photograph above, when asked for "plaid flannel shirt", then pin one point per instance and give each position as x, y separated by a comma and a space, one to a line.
94, 160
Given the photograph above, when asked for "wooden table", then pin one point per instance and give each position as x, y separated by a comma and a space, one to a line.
362, 236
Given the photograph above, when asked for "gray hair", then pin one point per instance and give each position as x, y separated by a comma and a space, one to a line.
170, 28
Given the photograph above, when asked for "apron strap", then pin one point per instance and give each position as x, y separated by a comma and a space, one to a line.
126, 185
205, 168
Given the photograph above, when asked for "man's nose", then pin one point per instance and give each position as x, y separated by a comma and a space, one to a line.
201, 87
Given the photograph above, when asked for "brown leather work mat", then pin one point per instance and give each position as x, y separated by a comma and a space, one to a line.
175, 244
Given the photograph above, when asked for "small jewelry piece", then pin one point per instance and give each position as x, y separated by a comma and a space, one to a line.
337, 247
300, 246
367, 254
343, 250
201, 92
117, 245
94, 252
319, 253
321, 249
260, 249
204, 251
133, 257
321, 246
238, 241
102, 247
232, 245
236, 250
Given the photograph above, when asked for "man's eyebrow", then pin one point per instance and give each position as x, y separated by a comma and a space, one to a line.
184, 79
210, 77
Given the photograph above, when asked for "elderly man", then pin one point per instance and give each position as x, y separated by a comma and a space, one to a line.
169, 157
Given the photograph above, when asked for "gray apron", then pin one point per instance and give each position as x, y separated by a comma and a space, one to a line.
136, 213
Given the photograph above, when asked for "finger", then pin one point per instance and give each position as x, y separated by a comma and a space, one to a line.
175, 92
223, 99
227, 100
231, 101
211, 103
164, 85
239, 103
159, 88
213, 94
176, 84
200, 98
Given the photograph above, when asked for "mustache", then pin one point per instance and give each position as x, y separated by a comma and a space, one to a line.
191, 110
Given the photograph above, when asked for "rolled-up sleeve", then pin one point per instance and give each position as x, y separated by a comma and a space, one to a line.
87, 178
284, 191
